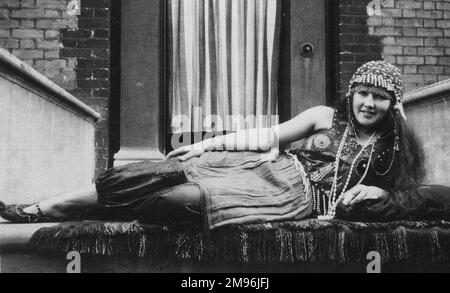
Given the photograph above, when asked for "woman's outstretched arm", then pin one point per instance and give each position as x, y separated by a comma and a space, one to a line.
263, 139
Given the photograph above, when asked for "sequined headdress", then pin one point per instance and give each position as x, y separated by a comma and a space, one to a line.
381, 78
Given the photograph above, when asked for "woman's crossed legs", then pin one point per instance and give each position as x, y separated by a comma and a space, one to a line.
154, 192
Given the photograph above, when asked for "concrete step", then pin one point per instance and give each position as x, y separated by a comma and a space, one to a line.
14, 253
17, 235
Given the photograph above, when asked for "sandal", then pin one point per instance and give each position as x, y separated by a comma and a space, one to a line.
15, 214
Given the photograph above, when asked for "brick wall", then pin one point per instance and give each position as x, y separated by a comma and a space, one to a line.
73, 51
31, 30
412, 34
89, 45
356, 46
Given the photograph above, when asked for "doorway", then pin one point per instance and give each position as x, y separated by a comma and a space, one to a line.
308, 68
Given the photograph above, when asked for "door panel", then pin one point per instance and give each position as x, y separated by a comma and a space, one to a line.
307, 70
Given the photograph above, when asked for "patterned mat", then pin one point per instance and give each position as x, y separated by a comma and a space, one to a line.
288, 242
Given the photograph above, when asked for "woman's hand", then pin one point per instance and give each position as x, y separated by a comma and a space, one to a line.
185, 153
363, 192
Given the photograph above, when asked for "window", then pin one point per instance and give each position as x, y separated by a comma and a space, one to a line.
223, 62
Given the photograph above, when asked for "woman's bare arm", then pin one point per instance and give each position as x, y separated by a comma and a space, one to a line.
265, 139
261, 139
305, 123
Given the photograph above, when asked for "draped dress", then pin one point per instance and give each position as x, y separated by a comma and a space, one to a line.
239, 188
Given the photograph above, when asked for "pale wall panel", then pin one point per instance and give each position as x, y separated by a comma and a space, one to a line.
45, 149
430, 118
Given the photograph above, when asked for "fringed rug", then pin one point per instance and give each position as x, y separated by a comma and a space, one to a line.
289, 242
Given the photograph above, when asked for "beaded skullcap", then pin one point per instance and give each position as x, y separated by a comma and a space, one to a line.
382, 75
374, 90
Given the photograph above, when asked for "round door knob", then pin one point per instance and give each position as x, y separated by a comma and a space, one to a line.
307, 50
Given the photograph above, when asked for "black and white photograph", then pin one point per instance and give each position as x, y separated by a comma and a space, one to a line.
225, 141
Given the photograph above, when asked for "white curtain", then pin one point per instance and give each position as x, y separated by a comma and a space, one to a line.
223, 64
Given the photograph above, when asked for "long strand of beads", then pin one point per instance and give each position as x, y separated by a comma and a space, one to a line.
333, 190
332, 208
316, 199
333, 200
336, 164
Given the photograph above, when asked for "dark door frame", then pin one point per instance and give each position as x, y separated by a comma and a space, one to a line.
332, 51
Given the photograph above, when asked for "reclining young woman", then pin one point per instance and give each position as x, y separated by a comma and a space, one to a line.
359, 160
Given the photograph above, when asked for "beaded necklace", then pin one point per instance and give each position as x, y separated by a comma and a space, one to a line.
333, 192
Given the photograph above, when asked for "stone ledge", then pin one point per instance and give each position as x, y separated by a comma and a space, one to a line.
425, 93
14, 236
17, 67
128, 155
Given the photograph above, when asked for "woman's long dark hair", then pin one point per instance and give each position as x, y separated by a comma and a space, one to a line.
410, 166
411, 163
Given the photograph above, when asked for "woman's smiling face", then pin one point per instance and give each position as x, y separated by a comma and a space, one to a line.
370, 109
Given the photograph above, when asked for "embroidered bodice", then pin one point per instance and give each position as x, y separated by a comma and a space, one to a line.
318, 157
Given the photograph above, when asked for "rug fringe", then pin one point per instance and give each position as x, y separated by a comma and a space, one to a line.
291, 242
